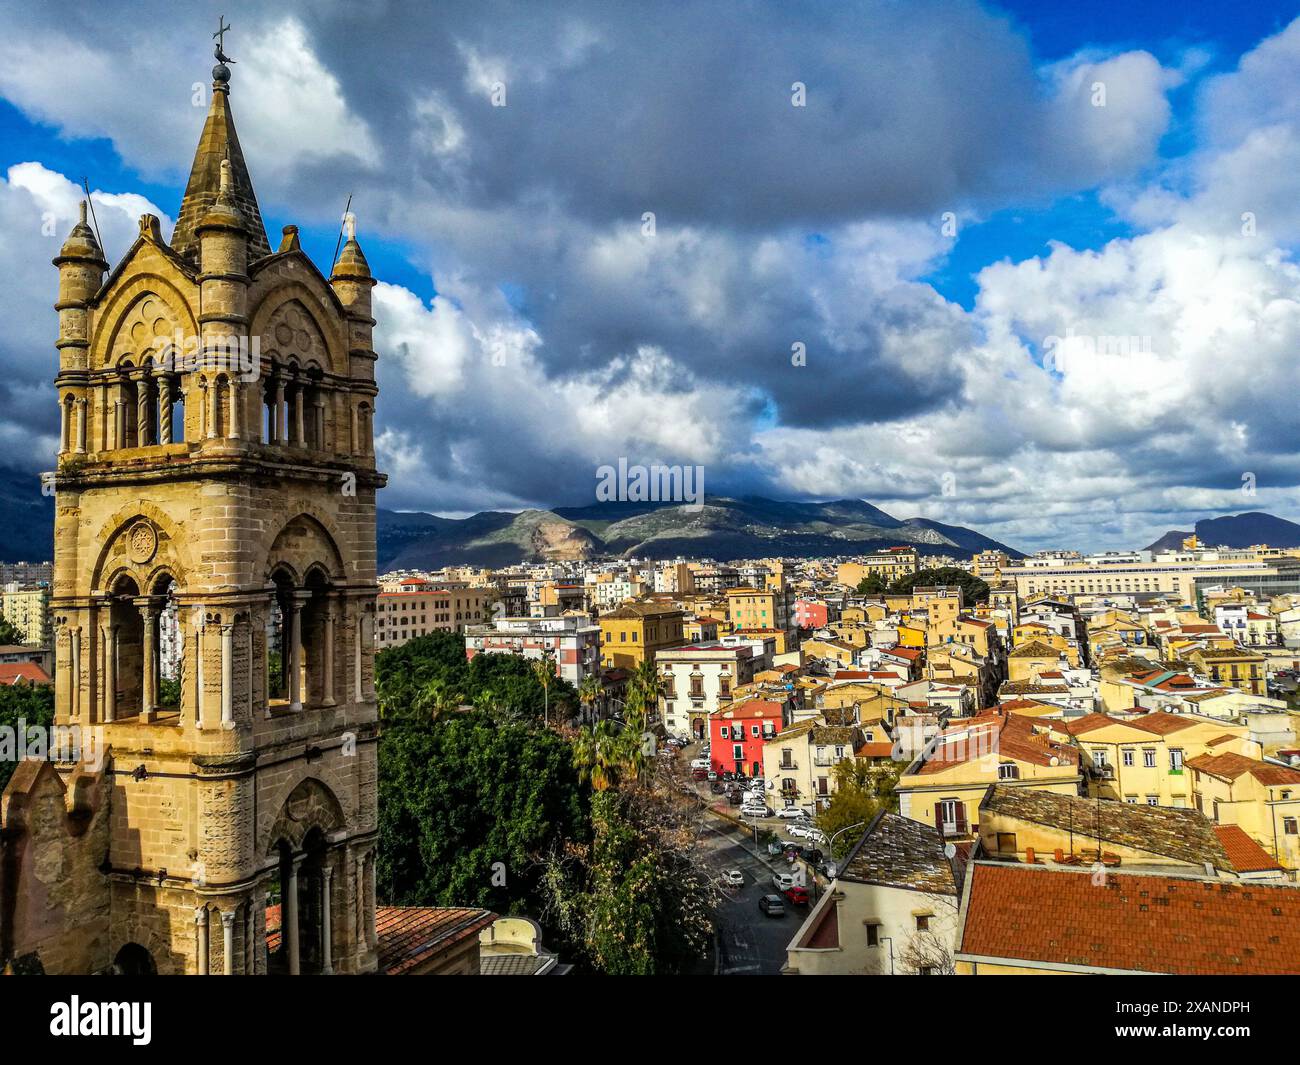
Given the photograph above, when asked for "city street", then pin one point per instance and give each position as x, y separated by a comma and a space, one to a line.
747, 940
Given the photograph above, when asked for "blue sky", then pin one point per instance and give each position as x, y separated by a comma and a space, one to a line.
512, 237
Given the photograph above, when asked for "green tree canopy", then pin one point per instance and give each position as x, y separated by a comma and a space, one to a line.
10, 633
872, 584
973, 589
30, 704
468, 804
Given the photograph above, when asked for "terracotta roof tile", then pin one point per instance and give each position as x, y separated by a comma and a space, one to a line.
1246, 855
1136, 922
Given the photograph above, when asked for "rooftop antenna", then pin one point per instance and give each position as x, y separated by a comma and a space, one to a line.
86, 185
343, 222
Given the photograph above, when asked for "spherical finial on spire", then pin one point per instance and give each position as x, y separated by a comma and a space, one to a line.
221, 72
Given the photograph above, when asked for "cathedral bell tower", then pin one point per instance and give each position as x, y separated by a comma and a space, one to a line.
214, 584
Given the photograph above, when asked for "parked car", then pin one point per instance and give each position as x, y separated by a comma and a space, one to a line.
799, 831
754, 811
772, 905
715, 788
797, 895
699, 774
733, 877
700, 763
781, 881
793, 813
712, 775
733, 798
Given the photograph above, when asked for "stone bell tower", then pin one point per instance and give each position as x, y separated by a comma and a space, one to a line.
214, 588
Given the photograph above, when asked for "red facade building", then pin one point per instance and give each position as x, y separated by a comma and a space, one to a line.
737, 735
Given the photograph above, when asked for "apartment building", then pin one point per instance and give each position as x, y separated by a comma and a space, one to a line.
699, 680
889, 566
799, 762
572, 642
758, 610
635, 632
1261, 798
1146, 574
1143, 759
945, 785
421, 608
28, 610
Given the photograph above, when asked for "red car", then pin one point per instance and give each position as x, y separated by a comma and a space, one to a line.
796, 896
699, 774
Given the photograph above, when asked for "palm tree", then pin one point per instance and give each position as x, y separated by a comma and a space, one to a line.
599, 755
590, 692
435, 698
544, 669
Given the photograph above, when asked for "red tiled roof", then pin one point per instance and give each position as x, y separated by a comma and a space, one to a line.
409, 935
1136, 922
910, 653
749, 708
1159, 723
30, 672
1246, 855
1231, 766
880, 749
1010, 736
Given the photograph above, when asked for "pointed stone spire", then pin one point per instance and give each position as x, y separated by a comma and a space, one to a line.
219, 143
352, 260
81, 244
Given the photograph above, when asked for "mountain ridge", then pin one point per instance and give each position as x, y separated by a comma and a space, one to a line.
1235, 530
722, 527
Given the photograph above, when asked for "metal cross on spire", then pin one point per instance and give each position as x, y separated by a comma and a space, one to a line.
220, 38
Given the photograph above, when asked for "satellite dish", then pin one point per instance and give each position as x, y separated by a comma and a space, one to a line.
949, 851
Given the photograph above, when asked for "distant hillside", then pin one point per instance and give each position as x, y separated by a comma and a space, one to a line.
27, 528
1236, 530
723, 528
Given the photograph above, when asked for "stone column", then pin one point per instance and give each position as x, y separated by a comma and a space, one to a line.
119, 417
372, 937
164, 409
356, 433
149, 667
65, 430
320, 423
103, 406
327, 921
328, 659
356, 659
248, 666
197, 627
228, 675
142, 408
201, 926
368, 650
295, 653
289, 919
110, 670
82, 406
75, 636
232, 430
299, 402
214, 404
228, 942
280, 415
